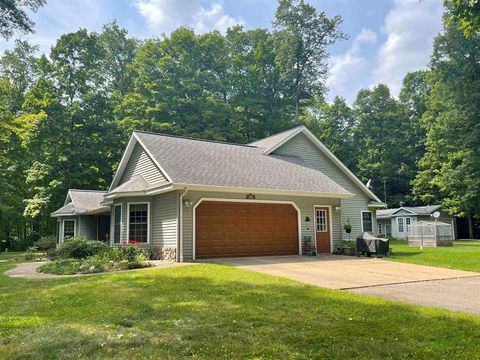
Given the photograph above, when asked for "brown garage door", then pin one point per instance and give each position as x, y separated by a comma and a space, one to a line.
224, 229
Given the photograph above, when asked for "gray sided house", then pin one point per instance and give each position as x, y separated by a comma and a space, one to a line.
83, 215
396, 222
190, 199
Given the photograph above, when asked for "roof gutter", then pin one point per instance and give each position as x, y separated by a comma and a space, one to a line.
109, 197
231, 189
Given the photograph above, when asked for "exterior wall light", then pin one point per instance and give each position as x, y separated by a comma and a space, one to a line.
338, 208
187, 203
307, 219
250, 197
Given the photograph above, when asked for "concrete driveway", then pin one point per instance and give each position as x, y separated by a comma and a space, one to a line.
424, 285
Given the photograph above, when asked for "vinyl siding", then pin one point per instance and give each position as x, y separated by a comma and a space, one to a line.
305, 204
87, 227
123, 224
351, 209
163, 219
140, 163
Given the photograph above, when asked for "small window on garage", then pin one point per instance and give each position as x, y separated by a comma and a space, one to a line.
138, 215
367, 222
68, 228
321, 220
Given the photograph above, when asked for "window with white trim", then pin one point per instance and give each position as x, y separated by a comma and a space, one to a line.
68, 228
321, 220
138, 222
407, 223
117, 220
400, 225
367, 221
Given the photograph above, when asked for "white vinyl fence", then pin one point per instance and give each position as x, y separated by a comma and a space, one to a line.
430, 233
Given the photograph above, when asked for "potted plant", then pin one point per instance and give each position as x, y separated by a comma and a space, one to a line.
348, 248
348, 227
307, 243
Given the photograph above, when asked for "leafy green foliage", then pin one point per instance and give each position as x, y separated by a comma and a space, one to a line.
80, 248
65, 117
450, 170
302, 35
46, 243
464, 14
84, 257
13, 17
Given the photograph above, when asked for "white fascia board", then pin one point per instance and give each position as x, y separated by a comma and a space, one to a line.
379, 205
154, 191
411, 212
329, 154
53, 215
123, 162
227, 189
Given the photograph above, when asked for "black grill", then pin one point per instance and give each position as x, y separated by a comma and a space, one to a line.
367, 244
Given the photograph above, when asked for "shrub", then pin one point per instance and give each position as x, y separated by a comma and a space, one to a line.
129, 256
30, 253
80, 248
109, 259
61, 267
46, 243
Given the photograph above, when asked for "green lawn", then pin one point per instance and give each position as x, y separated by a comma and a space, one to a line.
212, 311
17, 256
464, 255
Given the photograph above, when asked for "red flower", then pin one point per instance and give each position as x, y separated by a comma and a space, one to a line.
134, 242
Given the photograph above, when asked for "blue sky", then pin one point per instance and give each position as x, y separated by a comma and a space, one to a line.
388, 38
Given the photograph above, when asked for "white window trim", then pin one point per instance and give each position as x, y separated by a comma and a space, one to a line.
398, 225
121, 217
74, 228
148, 220
330, 222
299, 227
326, 222
361, 219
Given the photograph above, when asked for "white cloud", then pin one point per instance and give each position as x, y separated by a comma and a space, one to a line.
167, 15
410, 27
345, 67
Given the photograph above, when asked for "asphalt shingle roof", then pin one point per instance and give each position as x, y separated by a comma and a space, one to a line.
83, 202
417, 210
203, 162
273, 140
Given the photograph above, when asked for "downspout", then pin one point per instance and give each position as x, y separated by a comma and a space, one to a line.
180, 224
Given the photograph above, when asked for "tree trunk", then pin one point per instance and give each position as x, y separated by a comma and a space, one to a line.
297, 105
471, 233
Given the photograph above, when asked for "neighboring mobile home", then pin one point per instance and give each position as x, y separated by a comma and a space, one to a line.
396, 222
193, 198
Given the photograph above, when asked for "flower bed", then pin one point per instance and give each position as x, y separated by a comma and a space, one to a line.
80, 256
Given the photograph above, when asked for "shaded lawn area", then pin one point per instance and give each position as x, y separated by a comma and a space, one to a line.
17, 256
464, 255
213, 311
